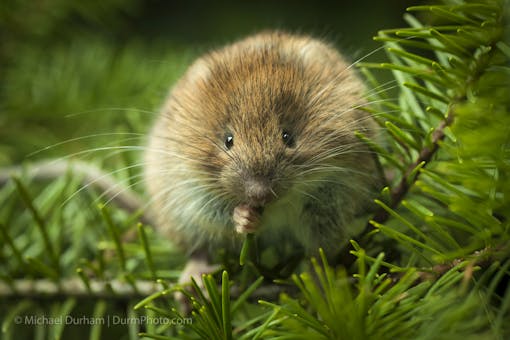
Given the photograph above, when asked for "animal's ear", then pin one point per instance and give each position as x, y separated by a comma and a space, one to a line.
198, 71
312, 50
316, 52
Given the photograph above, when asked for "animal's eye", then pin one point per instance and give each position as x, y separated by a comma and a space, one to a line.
229, 141
287, 139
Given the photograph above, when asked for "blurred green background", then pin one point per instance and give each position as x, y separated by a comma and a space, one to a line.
101, 68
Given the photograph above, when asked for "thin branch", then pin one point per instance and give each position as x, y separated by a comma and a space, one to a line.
112, 290
399, 192
75, 287
91, 176
425, 156
482, 258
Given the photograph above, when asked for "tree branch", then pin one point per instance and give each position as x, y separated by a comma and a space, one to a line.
112, 290
91, 176
75, 287
425, 156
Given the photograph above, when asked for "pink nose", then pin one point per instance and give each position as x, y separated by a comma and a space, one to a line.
258, 191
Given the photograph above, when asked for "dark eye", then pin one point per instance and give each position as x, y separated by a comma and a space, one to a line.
287, 139
229, 141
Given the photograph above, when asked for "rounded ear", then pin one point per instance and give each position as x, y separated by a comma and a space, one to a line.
198, 71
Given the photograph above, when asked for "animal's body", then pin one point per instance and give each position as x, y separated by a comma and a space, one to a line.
259, 136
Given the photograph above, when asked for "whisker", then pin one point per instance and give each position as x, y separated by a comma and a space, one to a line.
100, 178
214, 142
308, 195
124, 189
128, 109
373, 52
80, 138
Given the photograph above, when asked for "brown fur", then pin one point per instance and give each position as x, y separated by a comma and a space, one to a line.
256, 89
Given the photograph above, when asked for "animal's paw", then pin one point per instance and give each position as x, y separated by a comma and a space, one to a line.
195, 268
246, 219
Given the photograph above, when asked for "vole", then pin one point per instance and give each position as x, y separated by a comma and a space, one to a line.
259, 137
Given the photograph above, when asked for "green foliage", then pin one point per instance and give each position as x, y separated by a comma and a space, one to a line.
48, 89
434, 264
373, 306
459, 200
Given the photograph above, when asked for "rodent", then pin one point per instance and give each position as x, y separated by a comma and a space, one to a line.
259, 136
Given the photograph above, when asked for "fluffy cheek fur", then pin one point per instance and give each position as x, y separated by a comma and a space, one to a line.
186, 196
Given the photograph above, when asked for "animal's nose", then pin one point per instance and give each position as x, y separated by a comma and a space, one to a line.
258, 191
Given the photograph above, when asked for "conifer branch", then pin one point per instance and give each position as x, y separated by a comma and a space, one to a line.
425, 156
482, 258
90, 175
75, 287
113, 290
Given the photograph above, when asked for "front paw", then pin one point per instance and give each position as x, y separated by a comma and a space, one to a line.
195, 268
246, 219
